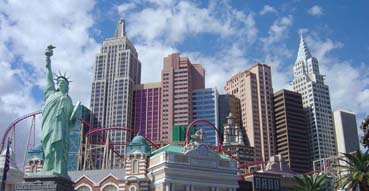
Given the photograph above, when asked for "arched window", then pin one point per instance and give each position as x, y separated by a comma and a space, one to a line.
135, 166
110, 188
83, 188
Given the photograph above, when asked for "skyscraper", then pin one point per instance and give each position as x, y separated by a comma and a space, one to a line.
316, 102
117, 70
346, 131
147, 110
178, 79
291, 130
205, 106
254, 89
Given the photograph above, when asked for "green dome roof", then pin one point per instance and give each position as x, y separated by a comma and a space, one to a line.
139, 140
139, 144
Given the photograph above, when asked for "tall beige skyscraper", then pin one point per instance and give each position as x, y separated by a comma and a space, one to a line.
254, 89
117, 70
178, 78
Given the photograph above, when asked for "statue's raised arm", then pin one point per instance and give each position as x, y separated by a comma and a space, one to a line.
50, 87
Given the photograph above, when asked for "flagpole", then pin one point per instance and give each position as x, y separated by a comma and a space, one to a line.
6, 165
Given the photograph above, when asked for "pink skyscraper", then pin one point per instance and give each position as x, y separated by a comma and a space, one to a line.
178, 78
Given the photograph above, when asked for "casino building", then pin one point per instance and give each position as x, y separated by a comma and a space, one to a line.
193, 167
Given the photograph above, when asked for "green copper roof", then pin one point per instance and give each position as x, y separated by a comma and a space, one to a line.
179, 149
139, 144
139, 140
168, 148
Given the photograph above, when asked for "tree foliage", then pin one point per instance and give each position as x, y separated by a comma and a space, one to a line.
310, 182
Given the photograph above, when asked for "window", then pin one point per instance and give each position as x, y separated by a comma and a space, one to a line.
135, 167
83, 188
132, 188
110, 188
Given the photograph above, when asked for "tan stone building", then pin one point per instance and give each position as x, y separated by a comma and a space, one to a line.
254, 89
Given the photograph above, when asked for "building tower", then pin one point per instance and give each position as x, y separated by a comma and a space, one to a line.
233, 141
316, 102
346, 131
136, 164
147, 110
117, 70
178, 79
291, 130
254, 89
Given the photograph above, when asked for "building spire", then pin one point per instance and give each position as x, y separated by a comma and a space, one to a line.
120, 31
304, 52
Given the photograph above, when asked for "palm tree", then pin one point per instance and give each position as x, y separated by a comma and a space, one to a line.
355, 171
310, 182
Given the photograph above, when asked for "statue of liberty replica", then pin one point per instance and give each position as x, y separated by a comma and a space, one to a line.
58, 116
57, 119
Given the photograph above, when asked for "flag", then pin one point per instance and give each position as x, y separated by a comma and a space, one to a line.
6, 165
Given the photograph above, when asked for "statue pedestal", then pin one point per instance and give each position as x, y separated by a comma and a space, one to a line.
49, 183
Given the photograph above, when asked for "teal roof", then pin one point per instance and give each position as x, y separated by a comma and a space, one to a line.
139, 144
139, 140
179, 149
169, 148
35, 152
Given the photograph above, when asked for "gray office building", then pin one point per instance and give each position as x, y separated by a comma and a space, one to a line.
346, 131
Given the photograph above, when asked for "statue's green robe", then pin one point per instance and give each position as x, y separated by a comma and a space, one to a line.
55, 130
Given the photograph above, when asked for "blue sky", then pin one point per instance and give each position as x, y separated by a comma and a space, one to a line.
225, 36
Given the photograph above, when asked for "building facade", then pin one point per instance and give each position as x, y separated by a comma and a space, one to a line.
178, 79
346, 131
229, 104
147, 111
170, 168
291, 130
254, 89
205, 106
117, 70
316, 102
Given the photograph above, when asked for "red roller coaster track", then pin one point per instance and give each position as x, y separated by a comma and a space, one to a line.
13, 125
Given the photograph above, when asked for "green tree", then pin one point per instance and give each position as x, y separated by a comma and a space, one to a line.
310, 183
354, 171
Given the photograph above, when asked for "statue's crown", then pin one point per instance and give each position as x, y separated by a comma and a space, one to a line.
62, 76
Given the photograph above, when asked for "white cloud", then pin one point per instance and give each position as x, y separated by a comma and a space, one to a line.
123, 8
275, 51
316, 10
278, 30
172, 22
268, 9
